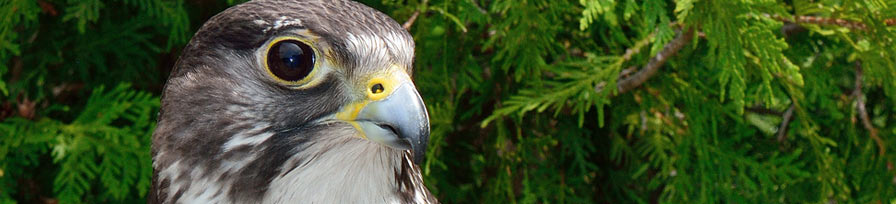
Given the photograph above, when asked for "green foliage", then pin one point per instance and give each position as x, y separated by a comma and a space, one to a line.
64, 137
537, 116
522, 97
106, 145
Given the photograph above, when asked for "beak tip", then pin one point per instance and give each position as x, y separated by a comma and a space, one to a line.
419, 143
418, 156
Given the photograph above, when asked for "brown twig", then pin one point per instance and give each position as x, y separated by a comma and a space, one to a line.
410, 22
855, 25
26, 107
627, 71
47, 8
863, 113
624, 85
790, 29
684, 37
763, 110
782, 131
830, 21
407, 24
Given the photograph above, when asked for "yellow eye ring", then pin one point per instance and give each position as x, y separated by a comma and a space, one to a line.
290, 60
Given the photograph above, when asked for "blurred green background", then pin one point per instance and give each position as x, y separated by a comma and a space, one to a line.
767, 101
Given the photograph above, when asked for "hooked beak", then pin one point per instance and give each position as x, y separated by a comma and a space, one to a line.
398, 119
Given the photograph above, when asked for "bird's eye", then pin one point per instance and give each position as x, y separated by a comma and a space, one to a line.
290, 60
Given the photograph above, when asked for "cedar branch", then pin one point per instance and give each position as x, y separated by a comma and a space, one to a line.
410, 22
652, 66
763, 110
855, 25
407, 24
782, 131
863, 113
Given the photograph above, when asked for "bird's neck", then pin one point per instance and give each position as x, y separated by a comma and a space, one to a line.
326, 169
340, 170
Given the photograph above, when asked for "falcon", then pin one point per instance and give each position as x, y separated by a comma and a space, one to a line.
292, 101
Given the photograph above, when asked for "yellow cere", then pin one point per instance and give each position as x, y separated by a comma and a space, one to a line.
298, 83
387, 80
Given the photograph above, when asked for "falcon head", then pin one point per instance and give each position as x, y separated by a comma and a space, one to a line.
277, 101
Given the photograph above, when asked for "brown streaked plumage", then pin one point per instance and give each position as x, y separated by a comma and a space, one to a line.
230, 132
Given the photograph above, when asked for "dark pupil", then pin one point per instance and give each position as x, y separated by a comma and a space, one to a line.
291, 60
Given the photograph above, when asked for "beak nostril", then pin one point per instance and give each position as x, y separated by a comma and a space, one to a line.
377, 88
